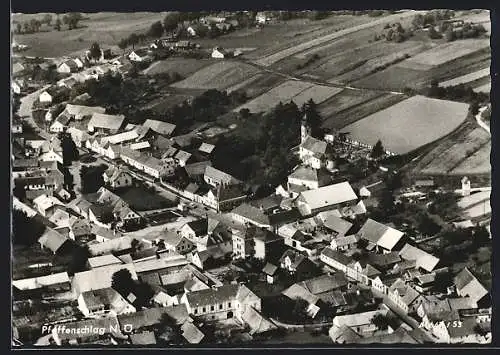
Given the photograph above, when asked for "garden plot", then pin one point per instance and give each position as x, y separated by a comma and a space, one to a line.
282, 93
453, 154
467, 78
445, 53
409, 124
477, 163
182, 66
219, 75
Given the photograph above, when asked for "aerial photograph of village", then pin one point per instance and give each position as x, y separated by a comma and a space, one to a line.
250, 178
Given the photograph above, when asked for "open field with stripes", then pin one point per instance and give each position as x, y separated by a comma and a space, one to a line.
409, 124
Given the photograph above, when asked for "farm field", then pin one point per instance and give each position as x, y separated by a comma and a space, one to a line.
298, 91
484, 88
343, 101
464, 79
261, 84
106, 28
245, 82
398, 77
473, 199
293, 37
479, 210
425, 119
378, 63
284, 93
477, 163
445, 53
282, 54
357, 112
448, 156
182, 66
219, 75
167, 101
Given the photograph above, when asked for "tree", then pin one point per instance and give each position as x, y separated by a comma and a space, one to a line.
433, 34
70, 151
122, 282
35, 25
299, 310
481, 236
47, 19
378, 150
386, 202
25, 230
449, 35
313, 119
123, 44
156, 30
72, 20
170, 21
135, 245
91, 178
95, 51
57, 25
427, 226
79, 257
133, 39
19, 28
380, 321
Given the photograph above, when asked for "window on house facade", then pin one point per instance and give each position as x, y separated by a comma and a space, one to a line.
229, 304
220, 306
204, 309
212, 308
196, 311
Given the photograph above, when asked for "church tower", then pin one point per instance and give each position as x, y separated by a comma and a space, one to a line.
305, 130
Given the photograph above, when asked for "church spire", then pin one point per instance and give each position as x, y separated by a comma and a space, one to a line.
305, 130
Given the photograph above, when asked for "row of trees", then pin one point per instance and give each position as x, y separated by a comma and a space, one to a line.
460, 92
394, 33
432, 18
34, 25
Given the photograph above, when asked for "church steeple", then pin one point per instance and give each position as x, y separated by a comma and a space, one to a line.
305, 130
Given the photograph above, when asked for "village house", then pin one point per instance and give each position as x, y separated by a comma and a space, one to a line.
105, 123
98, 278
54, 241
103, 301
216, 177
383, 238
359, 323
69, 66
271, 272
103, 260
45, 98
405, 297
219, 53
267, 245
344, 243
224, 302
306, 178
297, 264
467, 285
423, 260
74, 336
246, 213
117, 177
459, 331
164, 128
79, 136
53, 283
45, 205
243, 243
326, 198
178, 243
